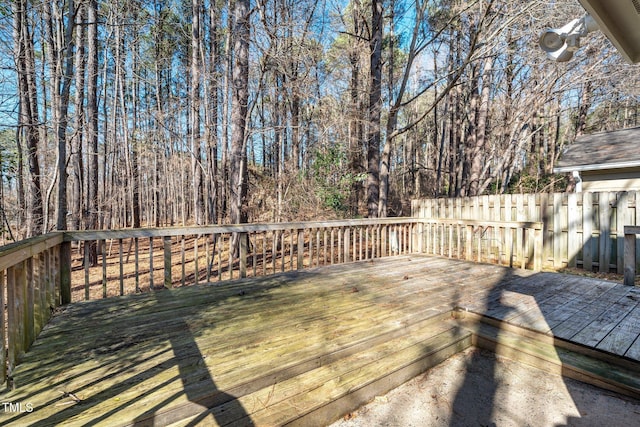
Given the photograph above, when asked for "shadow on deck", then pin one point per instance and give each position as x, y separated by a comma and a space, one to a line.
306, 347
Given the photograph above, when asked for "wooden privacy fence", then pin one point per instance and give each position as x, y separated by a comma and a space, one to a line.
38, 275
583, 230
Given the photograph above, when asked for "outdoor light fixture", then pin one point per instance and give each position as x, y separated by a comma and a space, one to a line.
562, 42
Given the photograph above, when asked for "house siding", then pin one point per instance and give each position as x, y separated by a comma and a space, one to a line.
611, 180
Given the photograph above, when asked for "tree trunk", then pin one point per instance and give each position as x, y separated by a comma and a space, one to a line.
194, 98
212, 118
239, 100
375, 101
225, 192
77, 162
583, 110
28, 120
479, 136
91, 216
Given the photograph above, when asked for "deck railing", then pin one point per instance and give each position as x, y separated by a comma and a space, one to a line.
31, 274
512, 243
40, 274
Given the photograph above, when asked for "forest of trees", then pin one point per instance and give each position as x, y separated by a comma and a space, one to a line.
134, 113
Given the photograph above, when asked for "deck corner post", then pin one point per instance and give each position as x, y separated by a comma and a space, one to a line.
65, 273
629, 256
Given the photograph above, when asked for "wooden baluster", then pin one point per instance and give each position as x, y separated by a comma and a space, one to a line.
87, 245
300, 261
182, 261
332, 245
354, 245
29, 316
283, 251
13, 319
64, 269
347, 239
168, 277
43, 307
255, 253
231, 259
243, 238
136, 260
325, 238
103, 250
522, 232
318, 247
291, 249
274, 250
196, 266
51, 282
310, 247
121, 259
19, 297
469, 243
207, 259
220, 238
264, 253
367, 252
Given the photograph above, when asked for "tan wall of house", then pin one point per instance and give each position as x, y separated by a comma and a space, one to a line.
624, 180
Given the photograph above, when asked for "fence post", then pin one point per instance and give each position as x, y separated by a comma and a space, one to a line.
65, 272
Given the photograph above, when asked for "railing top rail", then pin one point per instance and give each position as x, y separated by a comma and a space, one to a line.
536, 225
632, 229
17, 252
231, 228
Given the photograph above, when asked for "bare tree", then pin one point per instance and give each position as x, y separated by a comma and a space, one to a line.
239, 101
375, 107
28, 120
195, 122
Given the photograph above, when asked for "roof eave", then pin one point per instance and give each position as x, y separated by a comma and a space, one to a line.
597, 167
619, 21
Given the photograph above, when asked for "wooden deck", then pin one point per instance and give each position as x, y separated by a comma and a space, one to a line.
305, 347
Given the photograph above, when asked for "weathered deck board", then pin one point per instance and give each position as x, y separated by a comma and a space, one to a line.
620, 338
245, 349
567, 304
604, 324
588, 311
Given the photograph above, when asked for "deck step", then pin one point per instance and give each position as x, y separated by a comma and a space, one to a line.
555, 355
323, 394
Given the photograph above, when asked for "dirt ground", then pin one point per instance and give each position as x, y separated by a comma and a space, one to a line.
478, 388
